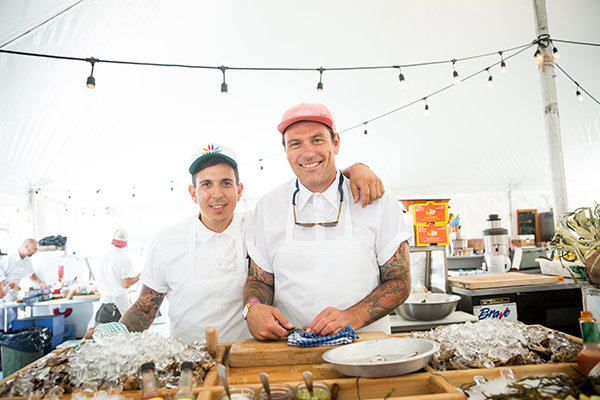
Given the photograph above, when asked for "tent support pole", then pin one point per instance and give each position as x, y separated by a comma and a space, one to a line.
33, 214
551, 117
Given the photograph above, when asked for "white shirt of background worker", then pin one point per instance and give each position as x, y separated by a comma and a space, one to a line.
319, 260
116, 274
201, 263
16, 266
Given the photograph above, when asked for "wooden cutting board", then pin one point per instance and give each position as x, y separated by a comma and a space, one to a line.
256, 353
500, 280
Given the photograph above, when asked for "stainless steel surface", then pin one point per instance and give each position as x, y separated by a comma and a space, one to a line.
428, 306
264, 379
436, 274
308, 380
355, 359
401, 325
224, 381
465, 262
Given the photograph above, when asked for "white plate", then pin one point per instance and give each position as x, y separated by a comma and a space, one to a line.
381, 358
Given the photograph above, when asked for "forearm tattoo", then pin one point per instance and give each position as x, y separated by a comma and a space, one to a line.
141, 314
394, 288
260, 285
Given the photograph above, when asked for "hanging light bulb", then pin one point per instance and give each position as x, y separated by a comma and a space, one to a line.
455, 74
402, 80
555, 52
224, 84
426, 113
91, 81
502, 63
538, 54
366, 134
578, 94
320, 84
490, 79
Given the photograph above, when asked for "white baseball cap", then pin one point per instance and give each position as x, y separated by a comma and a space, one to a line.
121, 237
211, 150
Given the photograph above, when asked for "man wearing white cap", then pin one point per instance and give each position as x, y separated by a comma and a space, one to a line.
201, 263
319, 260
115, 277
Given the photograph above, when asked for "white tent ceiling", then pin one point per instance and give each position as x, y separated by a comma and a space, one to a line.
134, 133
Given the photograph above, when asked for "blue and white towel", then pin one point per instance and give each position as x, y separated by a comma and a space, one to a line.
304, 339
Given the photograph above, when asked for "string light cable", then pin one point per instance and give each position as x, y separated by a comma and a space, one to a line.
543, 40
575, 82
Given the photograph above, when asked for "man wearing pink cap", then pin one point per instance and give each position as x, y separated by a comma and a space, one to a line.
319, 260
201, 264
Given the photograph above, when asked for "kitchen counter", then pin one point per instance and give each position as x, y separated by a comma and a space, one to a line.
554, 305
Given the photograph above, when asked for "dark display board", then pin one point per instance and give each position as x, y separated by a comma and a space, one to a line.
527, 223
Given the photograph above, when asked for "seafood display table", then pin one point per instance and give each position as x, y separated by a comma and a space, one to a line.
426, 383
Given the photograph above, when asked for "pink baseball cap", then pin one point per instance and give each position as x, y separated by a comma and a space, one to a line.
306, 112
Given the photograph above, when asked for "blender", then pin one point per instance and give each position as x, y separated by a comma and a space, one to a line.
495, 240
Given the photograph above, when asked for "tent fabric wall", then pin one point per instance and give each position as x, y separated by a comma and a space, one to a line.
125, 144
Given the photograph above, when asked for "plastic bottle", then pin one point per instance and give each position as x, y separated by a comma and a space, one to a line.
185, 382
590, 355
150, 391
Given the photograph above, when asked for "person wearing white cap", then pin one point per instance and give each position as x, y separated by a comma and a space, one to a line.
318, 260
115, 277
16, 266
201, 263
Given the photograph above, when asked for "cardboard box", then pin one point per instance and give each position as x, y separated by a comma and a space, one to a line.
430, 212
475, 244
523, 240
431, 234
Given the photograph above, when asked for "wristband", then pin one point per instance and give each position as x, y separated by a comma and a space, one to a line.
247, 308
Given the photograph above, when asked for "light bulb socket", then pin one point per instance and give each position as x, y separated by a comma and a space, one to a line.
223, 87
401, 77
91, 82
503, 65
455, 74
537, 54
320, 86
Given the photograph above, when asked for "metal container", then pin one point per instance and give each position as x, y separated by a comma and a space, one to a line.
495, 240
381, 358
428, 306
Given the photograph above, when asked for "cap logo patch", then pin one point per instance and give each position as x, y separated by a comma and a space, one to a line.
303, 111
211, 150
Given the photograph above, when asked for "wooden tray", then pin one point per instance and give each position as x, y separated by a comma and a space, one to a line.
425, 386
255, 353
500, 280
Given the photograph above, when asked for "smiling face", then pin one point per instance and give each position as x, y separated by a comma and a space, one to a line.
311, 153
217, 194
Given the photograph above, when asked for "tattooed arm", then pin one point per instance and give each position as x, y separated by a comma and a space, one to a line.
264, 321
141, 314
385, 298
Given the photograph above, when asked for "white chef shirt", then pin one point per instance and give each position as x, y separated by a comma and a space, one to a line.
16, 268
380, 225
114, 267
166, 269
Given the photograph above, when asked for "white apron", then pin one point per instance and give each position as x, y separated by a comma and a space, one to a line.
210, 302
313, 275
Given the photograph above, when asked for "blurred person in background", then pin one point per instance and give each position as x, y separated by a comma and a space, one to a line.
16, 266
115, 277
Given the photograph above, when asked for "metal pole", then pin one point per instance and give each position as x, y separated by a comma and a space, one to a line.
33, 212
551, 118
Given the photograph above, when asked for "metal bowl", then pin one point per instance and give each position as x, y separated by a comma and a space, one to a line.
436, 306
382, 357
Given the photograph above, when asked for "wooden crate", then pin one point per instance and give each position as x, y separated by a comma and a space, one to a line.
414, 386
